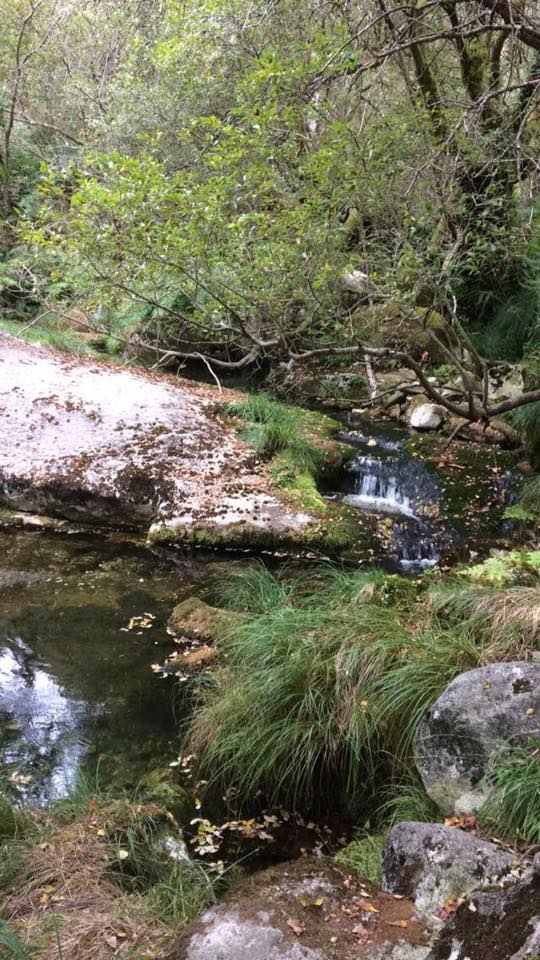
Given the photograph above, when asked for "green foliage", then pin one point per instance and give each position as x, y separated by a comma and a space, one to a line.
517, 566
363, 856
11, 947
445, 372
513, 808
407, 800
13, 818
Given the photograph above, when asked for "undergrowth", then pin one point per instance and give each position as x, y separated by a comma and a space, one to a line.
325, 683
513, 808
272, 427
94, 873
363, 856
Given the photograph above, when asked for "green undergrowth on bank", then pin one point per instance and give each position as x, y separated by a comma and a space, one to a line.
299, 443
95, 873
321, 688
512, 810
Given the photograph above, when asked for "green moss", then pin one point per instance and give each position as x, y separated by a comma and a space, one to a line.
300, 484
363, 856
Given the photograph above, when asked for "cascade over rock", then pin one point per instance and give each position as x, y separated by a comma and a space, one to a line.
96, 443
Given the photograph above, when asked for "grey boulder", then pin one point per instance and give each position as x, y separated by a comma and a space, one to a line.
480, 713
499, 925
224, 935
431, 863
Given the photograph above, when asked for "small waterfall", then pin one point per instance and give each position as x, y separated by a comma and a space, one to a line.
383, 479
378, 487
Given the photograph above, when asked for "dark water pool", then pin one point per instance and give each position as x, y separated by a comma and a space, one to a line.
75, 666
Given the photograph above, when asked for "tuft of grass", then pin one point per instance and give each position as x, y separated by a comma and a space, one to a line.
13, 818
513, 807
272, 427
10, 945
506, 619
407, 800
254, 589
363, 856
99, 868
326, 687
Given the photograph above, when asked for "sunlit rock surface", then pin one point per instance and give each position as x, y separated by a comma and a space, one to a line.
97, 443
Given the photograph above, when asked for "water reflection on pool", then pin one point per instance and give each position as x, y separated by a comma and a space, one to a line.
75, 679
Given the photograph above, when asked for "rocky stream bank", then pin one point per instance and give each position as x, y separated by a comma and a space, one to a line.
92, 447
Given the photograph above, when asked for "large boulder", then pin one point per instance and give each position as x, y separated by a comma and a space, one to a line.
303, 910
481, 712
92, 442
427, 416
499, 925
432, 863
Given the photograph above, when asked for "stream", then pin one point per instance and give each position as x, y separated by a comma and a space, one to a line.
82, 620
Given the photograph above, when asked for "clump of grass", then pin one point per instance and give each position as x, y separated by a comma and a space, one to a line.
253, 589
506, 619
363, 856
273, 427
513, 807
10, 945
13, 817
407, 800
327, 688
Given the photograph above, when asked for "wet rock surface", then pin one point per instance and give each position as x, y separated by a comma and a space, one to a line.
305, 910
432, 863
479, 713
197, 620
92, 442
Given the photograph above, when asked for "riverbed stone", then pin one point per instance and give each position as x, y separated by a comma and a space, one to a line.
427, 416
430, 863
92, 442
480, 713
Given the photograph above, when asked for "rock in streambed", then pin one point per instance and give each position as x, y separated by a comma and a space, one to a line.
94, 443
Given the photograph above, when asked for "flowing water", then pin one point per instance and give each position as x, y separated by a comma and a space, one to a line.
383, 479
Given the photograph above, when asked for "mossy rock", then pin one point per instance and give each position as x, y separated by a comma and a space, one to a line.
197, 620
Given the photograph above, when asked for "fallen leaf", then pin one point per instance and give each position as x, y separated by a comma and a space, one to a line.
296, 928
398, 923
